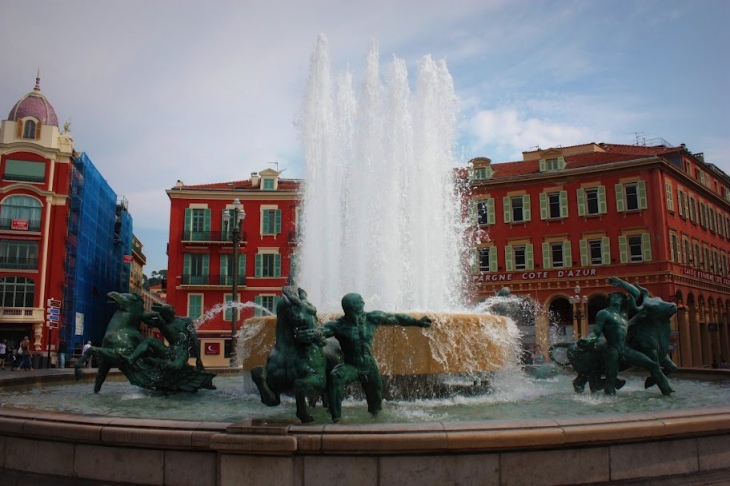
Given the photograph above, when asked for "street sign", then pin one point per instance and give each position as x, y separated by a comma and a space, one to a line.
52, 325
55, 304
128, 258
53, 317
19, 224
54, 312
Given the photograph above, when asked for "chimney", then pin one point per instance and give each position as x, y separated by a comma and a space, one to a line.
255, 179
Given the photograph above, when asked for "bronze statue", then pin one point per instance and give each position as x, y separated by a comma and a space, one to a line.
642, 341
153, 366
296, 364
355, 331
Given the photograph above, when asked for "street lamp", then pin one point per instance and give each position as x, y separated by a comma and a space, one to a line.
578, 301
235, 216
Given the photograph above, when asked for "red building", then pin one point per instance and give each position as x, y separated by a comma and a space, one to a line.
36, 165
556, 224
200, 252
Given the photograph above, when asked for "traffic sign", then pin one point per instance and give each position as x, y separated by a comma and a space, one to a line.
52, 325
53, 303
54, 312
54, 318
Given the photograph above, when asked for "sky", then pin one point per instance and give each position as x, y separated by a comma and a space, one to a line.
209, 91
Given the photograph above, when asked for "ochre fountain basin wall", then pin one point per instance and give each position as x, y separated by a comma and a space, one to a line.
455, 343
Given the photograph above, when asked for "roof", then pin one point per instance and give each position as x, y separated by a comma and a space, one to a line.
284, 185
36, 105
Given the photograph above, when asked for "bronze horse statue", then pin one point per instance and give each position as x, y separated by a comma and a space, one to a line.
296, 367
123, 340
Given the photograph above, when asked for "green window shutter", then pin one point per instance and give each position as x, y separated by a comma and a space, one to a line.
259, 259
473, 212
567, 255
277, 224
561, 163
543, 165
206, 220
188, 220
646, 247
224, 269
602, 208
526, 207
620, 198
241, 265
493, 263
206, 265
543, 206
471, 173
508, 258
265, 226
670, 196
507, 209
680, 206
186, 264
529, 257
563, 204
195, 306
277, 265
642, 195
546, 255
257, 300
581, 195
490, 211
228, 314
584, 253
606, 250
623, 249
473, 259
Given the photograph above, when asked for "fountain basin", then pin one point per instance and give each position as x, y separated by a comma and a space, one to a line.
681, 444
455, 343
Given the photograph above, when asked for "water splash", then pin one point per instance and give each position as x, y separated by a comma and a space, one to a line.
380, 216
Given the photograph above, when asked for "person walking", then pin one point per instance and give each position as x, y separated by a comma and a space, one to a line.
83, 352
3, 352
24, 352
62, 347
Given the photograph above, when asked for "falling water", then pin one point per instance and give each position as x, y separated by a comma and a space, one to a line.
381, 216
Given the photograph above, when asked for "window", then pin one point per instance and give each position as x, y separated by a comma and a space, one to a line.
591, 201
482, 211
268, 265
516, 208
484, 261
481, 173
631, 197
19, 254
17, 292
552, 164
696, 255
20, 212
195, 269
29, 129
556, 254
635, 248
674, 249
24, 171
595, 251
228, 313
519, 257
268, 302
195, 306
554, 205
670, 196
687, 252
270, 221
692, 210
268, 184
226, 269
197, 224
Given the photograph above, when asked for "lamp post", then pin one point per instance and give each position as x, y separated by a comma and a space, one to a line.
577, 300
235, 216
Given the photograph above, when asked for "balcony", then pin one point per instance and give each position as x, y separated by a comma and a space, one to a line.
21, 315
294, 238
209, 236
203, 280
20, 224
16, 263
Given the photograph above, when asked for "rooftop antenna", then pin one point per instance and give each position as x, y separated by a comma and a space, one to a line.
276, 163
535, 147
640, 138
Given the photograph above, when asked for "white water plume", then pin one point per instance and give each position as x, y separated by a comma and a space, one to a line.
381, 216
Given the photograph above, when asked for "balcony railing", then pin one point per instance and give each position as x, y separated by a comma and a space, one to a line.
7, 224
16, 263
21, 314
203, 236
293, 237
224, 280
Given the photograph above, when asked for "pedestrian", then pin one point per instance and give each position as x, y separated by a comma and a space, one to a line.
83, 352
3, 352
723, 364
62, 347
24, 352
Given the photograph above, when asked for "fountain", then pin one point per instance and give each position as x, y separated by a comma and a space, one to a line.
395, 143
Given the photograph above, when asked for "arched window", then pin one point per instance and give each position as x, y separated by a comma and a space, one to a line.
17, 292
29, 129
20, 208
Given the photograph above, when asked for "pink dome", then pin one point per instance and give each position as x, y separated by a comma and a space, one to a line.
36, 105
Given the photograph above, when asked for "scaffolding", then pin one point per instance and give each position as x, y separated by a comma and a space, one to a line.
99, 236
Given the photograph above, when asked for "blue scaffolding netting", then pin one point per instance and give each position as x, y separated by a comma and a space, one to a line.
99, 236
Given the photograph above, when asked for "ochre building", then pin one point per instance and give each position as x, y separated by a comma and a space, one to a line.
555, 225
